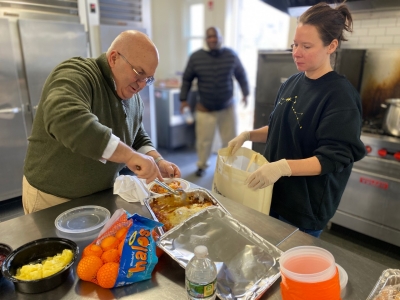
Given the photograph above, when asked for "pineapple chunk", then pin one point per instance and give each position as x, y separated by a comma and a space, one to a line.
30, 272
66, 256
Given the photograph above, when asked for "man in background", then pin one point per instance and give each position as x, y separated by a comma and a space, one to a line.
214, 69
88, 125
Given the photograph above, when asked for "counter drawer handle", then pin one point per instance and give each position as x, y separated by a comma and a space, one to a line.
13, 110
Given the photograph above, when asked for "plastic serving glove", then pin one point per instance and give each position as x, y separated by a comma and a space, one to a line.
268, 174
235, 144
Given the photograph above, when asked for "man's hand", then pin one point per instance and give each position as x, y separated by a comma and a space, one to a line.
268, 174
183, 105
235, 144
244, 100
144, 167
168, 169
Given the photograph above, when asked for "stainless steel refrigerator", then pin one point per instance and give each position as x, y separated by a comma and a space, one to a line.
33, 40
275, 67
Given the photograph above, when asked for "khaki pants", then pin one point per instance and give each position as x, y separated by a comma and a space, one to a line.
35, 200
206, 125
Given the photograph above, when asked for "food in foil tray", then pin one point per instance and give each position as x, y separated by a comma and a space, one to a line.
171, 210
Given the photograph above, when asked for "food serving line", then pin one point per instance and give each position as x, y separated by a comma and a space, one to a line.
168, 279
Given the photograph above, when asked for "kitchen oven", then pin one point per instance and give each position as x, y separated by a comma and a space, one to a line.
371, 201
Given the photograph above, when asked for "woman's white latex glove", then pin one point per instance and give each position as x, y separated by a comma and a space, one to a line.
235, 144
268, 174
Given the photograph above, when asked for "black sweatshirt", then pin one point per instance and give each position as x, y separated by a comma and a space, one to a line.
214, 71
319, 118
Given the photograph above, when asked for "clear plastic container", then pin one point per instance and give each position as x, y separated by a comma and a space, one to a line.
308, 264
343, 278
387, 285
82, 219
201, 276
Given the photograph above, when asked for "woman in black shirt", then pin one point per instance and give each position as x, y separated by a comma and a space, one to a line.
313, 136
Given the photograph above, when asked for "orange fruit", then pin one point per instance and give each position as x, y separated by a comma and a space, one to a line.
121, 234
110, 256
88, 266
109, 242
123, 218
155, 235
107, 275
120, 247
92, 250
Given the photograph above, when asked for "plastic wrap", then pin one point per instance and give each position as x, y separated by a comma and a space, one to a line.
387, 287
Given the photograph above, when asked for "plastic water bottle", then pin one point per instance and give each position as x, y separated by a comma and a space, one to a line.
187, 115
201, 276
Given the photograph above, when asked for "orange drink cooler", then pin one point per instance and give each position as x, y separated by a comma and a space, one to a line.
309, 273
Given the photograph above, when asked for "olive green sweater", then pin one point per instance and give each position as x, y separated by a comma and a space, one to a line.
78, 111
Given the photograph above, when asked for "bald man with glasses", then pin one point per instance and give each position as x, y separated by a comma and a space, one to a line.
88, 125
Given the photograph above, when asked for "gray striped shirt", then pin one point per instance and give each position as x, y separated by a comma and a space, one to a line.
214, 71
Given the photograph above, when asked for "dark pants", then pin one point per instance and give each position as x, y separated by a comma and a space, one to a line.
312, 232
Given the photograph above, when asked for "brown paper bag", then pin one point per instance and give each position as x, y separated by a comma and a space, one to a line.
230, 174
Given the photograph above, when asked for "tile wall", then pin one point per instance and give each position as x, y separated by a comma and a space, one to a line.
371, 30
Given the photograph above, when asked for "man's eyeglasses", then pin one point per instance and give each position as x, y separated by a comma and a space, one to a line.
149, 80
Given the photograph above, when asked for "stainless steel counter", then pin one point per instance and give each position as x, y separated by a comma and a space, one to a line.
168, 277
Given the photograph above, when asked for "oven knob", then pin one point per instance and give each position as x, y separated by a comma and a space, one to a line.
368, 148
397, 155
382, 152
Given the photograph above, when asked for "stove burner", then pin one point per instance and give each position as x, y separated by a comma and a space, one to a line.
373, 130
381, 146
373, 126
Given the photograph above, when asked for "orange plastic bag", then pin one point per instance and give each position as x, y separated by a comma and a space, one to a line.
123, 253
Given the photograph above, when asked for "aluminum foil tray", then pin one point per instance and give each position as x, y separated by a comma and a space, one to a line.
389, 277
200, 193
247, 264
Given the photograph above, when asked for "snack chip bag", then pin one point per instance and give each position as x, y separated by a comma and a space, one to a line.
123, 253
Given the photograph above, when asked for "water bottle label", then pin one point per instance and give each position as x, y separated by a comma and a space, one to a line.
199, 290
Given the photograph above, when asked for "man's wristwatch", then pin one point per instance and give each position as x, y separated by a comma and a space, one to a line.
158, 159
